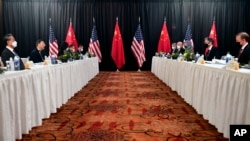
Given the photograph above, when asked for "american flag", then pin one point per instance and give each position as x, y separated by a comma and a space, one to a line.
94, 46
138, 47
53, 46
188, 36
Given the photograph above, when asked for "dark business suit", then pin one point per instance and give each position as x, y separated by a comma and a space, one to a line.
244, 57
7, 54
36, 56
181, 50
174, 50
211, 54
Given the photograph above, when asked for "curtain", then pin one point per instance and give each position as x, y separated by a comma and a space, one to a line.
28, 20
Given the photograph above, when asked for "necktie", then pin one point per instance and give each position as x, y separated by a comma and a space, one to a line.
240, 53
41, 55
206, 52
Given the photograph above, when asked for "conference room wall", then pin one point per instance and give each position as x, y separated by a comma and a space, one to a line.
28, 20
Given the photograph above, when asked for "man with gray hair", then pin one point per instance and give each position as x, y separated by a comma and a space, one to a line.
180, 48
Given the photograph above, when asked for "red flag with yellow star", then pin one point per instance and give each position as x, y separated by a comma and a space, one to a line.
213, 34
71, 38
164, 42
117, 52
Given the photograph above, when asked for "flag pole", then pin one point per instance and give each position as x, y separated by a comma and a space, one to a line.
117, 70
49, 35
139, 23
93, 19
214, 19
165, 19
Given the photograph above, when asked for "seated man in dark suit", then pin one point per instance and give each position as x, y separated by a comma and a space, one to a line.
244, 53
174, 49
211, 51
9, 52
180, 48
36, 55
81, 49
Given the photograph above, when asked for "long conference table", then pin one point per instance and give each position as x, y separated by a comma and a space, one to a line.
27, 97
221, 96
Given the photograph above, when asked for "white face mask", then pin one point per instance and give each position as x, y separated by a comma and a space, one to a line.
178, 47
14, 44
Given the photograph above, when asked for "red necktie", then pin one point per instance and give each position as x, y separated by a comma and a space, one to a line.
240, 53
206, 52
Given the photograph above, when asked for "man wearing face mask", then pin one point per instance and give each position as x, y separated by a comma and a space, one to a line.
9, 52
211, 51
71, 49
244, 53
36, 55
81, 49
180, 48
174, 50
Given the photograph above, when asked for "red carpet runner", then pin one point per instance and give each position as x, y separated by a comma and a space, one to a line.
125, 106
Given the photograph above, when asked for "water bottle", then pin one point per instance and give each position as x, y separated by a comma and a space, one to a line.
11, 64
1, 63
180, 57
228, 57
16, 63
197, 56
70, 58
168, 56
81, 56
8, 66
53, 59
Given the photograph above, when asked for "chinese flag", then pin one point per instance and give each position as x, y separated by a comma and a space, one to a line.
117, 52
164, 42
213, 34
71, 38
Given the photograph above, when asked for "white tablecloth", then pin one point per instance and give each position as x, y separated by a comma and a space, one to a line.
26, 97
221, 96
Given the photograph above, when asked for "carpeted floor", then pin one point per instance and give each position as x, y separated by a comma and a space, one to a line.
125, 106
